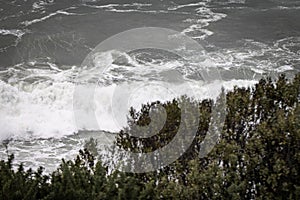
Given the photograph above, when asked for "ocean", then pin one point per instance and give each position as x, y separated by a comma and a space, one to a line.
43, 45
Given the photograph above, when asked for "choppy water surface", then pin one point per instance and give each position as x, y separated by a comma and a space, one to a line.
42, 45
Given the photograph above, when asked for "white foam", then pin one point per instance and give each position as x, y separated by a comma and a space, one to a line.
112, 7
237, 1
40, 111
284, 68
259, 57
41, 4
288, 8
205, 16
58, 12
38, 102
198, 29
135, 10
16, 32
47, 111
127, 8
188, 5
43, 108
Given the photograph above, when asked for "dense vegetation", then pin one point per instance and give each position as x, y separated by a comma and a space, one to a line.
256, 156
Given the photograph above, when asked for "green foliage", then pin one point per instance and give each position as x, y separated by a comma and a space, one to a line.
256, 157
21, 184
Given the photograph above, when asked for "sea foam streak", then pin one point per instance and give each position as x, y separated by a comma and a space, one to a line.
205, 16
16, 32
58, 12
